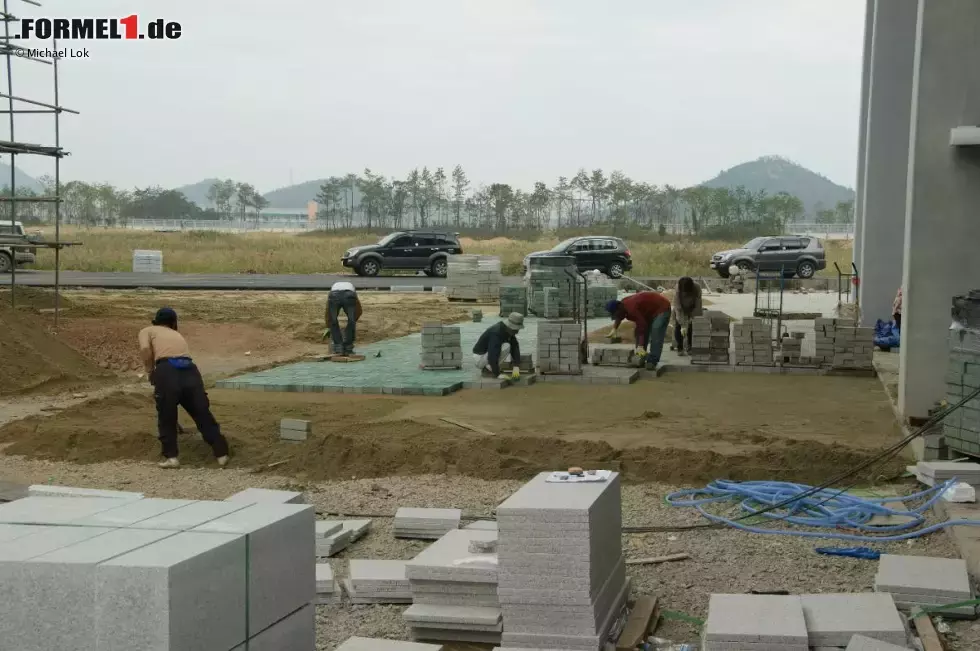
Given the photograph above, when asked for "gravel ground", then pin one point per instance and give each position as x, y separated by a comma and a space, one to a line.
721, 561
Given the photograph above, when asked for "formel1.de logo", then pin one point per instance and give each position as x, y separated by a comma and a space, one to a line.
97, 29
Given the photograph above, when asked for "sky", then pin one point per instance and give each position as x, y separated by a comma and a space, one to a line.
515, 91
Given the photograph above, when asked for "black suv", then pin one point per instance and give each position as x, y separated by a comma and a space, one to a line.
795, 255
609, 255
426, 251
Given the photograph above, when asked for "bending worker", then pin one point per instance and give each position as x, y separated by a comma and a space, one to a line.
650, 312
177, 381
498, 342
687, 305
342, 296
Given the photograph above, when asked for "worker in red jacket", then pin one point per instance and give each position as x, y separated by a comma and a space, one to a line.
650, 313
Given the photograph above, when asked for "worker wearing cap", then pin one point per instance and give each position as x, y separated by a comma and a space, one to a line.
342, 296
650, 313
497, 343
177, 382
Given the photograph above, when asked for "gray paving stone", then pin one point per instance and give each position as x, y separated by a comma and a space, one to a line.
832, 619
47, 490
482, 525
755, 619
262, 495
281, 557
46, 541
296, 424
438, 562
923, 575
435, 634
129, 513
373, 644
53, 510
326, 528
296, 632
14, 531
863, 643
185, 592
192, 515
423, 613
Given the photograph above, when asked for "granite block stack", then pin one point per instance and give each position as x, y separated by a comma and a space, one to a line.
611, 355
753, 342
266, 496
791, 349
555, 272
749, 622
552, 303
454, 590
334, 536
562, 577
833, 619
293, 429
328, 590
939, 472
107, 574
961, 429
924, 581
473, 278
378, 582
425, 524
441, 347
558, 348
710, 339
147, 262
513, 299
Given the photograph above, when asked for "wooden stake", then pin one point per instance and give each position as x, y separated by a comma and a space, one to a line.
459, 423
927, 633
653, 560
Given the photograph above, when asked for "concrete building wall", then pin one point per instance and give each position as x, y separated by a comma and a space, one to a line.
942, 224
887, 153
869, 25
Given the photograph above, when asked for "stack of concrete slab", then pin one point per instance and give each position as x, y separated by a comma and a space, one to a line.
612, 355
753, 342
48, 490
853, 346
558, 347
482, 525
961, 429
371, 644
147, 262
294, 429
752, 622
328, 590
938, 472
334, 536
833, 619
266, 496
862, 643
454, 590
557, 273
473, 278
114, 575
513, 299
426, 524
710, 339
378, 582
562, 577
914, 581
441, 347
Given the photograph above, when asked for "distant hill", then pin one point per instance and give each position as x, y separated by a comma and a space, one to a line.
198, 192
294, 197
776, 174
23, 180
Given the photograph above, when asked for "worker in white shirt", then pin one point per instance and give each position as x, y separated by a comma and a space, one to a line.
342, 296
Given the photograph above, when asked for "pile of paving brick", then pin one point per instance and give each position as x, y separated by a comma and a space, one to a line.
454, 589
558, 347
513, 298
612, 355
840, 343
753, 342
425, 524
597, 296
914, 581
119, 574
333, 536
710, 339
473, 278
559, 275
961, 429
562, 577
377, 582
791, 350
441, 347
328, 590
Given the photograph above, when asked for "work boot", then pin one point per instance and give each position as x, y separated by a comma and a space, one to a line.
223, 461
171, 462
681, 353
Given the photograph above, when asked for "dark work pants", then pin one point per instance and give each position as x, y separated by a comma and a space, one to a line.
679, 337
185, 388
656, 334
343, 342
897, 318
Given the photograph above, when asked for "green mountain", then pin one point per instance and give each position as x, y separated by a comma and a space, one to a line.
294, 197
23, 180
198, 192
775, 174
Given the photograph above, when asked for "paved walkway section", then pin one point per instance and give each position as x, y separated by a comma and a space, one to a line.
396, 371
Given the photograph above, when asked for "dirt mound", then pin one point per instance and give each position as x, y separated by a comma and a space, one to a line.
32, 359
33, 298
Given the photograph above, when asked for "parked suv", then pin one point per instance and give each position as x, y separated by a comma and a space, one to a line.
609, 255
426, 251
12, 235
794, 255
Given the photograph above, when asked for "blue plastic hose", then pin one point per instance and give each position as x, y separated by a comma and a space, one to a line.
825, 509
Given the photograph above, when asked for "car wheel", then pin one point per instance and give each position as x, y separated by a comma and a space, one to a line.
806, 269
440, 267
369, 267
5, 263
616, 270
744, 265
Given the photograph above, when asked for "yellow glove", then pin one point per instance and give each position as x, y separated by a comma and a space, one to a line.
640, 352
613, 332
515, 374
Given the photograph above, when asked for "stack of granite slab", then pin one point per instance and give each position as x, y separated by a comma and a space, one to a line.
116, 575
833, 619
50, 490
328, 590
482, 525
372, 644
454, 589
562, 578
738, 622
267, 496
932, 473
425, 524
863, 643
378, 582
334, 536
915, 581
441, 347
513, 299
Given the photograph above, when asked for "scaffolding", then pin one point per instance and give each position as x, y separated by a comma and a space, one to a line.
20, 106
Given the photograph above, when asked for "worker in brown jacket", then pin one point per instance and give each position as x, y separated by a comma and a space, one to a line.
177, 382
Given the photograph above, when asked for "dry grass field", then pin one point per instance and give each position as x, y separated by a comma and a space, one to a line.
283, 253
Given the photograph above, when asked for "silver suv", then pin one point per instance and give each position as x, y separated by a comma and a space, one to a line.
794, 255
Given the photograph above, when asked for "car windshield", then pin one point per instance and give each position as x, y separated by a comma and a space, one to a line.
756, 243
389, 238
561, 246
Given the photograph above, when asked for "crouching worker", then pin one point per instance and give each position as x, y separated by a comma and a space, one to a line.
177, 382
496, 344
650, 313
342, 296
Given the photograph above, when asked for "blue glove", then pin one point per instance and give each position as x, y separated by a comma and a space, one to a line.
853, 552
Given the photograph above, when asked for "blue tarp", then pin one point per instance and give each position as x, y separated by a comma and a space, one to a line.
887, 334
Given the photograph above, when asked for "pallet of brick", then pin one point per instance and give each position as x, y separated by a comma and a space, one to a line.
824, 333
454, 590
371, 644
378, 582
914, 581
557, 273
473, 278
558, 348
441, 347
328, 590
753, 342
853, 346
264, 495
833, 619
294, 429
612, 355
961, 429
513, 298
710, 339
738, 622
598, 296
863, 643
562, 576
425, 524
